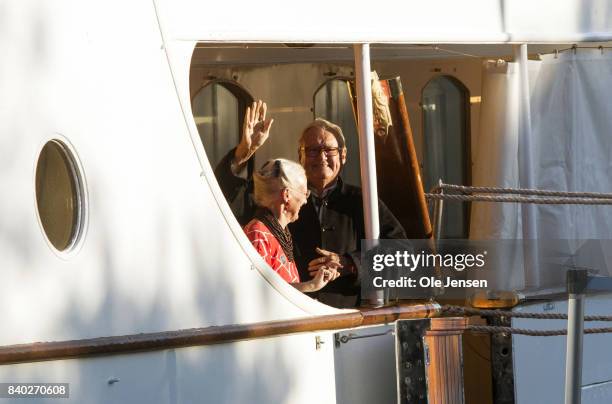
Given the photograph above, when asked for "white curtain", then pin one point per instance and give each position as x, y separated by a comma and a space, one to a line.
572, 127
571, 140
496, 164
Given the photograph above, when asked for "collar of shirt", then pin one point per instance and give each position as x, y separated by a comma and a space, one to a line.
326, 191
319, 200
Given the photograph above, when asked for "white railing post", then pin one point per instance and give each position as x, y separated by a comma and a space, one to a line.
576, 288
367, 154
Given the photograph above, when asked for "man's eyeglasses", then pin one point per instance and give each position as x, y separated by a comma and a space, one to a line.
316, 151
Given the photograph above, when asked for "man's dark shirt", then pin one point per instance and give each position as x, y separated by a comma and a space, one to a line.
337, 227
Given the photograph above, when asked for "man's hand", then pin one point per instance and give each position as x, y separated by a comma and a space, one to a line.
328, 259
322, 277
255, 131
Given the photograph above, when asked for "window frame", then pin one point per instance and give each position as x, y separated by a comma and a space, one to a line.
81, 196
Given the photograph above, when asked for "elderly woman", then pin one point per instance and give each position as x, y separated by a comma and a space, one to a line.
280, 191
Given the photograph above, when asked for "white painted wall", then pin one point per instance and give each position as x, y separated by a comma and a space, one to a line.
389, 21
161, 250
158, 253
275, 370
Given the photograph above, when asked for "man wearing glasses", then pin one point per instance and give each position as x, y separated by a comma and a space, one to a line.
331, 224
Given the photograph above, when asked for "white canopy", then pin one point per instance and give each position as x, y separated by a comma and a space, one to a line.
388, 21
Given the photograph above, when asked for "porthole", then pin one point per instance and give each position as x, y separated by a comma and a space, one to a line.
59, 195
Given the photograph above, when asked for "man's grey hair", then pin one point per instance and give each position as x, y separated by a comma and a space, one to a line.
327, 126
273, 176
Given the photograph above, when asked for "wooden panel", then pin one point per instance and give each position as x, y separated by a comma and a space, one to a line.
444, 368
398, 170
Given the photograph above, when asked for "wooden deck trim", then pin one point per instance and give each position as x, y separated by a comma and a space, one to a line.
55, 350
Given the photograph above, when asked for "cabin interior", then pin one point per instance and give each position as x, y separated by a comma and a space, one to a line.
442, 87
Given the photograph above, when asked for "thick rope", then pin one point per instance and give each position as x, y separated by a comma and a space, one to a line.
517, 191
459, 310
533, 333
520, 199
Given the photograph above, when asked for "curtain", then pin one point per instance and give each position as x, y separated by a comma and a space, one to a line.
571, 150
496, 164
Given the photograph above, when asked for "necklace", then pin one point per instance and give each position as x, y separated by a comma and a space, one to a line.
283, 236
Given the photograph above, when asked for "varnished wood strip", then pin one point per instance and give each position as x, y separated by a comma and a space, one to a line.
208, 335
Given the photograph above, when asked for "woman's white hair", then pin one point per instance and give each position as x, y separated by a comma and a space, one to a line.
273, 176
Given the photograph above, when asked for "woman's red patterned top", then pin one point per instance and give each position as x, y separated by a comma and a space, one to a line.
270, 249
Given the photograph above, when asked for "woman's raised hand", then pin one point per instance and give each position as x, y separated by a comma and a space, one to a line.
255, 131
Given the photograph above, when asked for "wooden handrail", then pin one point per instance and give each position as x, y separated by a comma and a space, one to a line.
209, 335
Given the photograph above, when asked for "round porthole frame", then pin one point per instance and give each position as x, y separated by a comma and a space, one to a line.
82, 198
